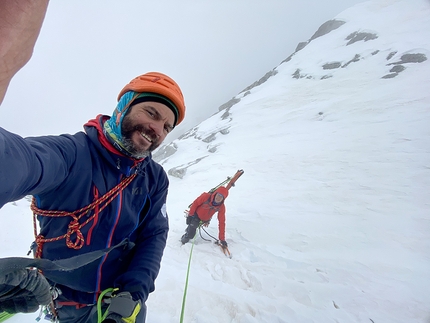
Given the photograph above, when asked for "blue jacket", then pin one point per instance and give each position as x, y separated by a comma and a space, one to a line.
68, 172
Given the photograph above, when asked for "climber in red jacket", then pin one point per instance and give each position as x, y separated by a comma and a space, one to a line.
202, 209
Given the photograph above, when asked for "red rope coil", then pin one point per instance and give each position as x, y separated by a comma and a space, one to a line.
74, 226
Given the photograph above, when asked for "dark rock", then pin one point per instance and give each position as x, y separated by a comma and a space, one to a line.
165, 152
326, 77
390, 76
296, 74
210, 138
331, 66
358, 36
410, 58
398, 69
225, 131
229, 104
180, 171
262, 80
355, 59
226, 114
390, 56
301, 45
327, 27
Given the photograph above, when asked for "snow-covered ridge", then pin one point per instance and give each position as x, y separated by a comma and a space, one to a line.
331, 220
356, 42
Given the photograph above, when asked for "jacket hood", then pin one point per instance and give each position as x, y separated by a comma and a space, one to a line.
98, 124
221, 190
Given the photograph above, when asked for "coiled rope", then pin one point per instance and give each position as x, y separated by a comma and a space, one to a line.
74, 226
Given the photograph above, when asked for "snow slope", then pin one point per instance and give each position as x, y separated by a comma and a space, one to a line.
331, 220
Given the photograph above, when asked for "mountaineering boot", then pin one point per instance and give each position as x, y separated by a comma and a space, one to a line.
184, 239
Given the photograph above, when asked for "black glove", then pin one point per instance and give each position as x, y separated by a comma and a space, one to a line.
122, 309
223, 243
23, 290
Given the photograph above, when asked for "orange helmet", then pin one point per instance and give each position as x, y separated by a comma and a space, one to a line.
159, 83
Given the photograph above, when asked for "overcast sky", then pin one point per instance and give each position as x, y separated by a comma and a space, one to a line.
88, 50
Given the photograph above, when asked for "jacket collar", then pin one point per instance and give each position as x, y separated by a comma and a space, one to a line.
94, 130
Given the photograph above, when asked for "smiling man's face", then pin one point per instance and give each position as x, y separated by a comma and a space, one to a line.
145, 127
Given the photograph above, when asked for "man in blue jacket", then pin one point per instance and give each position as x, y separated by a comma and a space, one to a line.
98, 190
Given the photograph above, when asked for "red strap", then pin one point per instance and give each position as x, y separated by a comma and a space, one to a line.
70, 303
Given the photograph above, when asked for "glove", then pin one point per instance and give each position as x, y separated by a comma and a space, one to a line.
23, 291
223, 243
206, 223
122, 309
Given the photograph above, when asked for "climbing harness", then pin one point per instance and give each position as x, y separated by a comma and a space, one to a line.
49, 313
10, 264
74, 225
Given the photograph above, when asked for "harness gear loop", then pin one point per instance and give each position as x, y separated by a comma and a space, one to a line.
74, 226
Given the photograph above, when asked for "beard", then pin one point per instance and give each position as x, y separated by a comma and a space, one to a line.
127, 131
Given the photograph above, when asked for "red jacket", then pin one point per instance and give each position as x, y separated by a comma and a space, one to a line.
204, 207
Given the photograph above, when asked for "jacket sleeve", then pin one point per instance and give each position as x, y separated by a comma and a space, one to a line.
221, 222
32, 165
145, 264
197, 202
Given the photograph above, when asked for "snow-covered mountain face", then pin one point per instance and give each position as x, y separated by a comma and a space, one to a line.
331, 220
358, 51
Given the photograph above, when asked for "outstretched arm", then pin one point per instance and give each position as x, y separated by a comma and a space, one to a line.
20, 24
221, 222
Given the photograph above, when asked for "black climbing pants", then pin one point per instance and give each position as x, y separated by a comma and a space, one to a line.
193, 223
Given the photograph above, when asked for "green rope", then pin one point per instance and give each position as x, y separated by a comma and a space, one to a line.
186, 280
100, 316
4, 316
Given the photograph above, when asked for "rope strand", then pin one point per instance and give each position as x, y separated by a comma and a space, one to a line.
75, 226
184, 297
